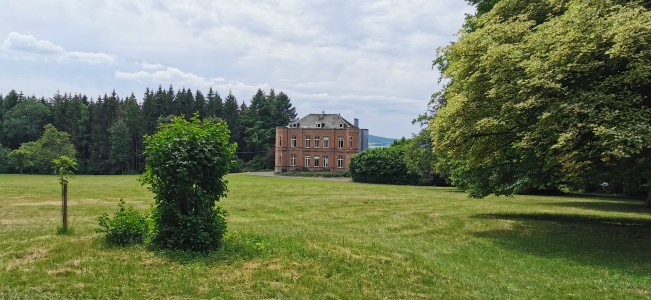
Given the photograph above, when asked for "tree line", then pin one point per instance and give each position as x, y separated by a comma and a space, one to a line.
106, 133
544, 96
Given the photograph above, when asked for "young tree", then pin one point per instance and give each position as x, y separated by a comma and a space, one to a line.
186, 165
64, 167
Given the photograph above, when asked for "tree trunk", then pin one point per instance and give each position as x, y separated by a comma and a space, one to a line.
64, 206
648, 199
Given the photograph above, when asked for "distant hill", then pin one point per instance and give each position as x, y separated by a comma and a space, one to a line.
378, 141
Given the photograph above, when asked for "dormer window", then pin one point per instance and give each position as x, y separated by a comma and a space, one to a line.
341, 125
318, 125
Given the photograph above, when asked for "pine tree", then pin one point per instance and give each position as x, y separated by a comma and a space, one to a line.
200, 104
133, 118
214, 107
232, 116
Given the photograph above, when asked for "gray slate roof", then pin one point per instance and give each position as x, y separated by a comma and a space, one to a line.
326, 121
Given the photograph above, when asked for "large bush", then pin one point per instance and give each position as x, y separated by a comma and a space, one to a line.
186, 165
382, 165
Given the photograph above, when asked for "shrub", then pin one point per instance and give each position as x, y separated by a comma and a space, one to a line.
186, 165
127, 227
258, 163
381, 165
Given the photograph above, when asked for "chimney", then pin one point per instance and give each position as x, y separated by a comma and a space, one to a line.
356, 122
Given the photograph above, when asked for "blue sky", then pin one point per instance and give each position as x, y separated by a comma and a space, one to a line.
363, 59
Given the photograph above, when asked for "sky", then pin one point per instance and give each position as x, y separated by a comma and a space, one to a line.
370, 60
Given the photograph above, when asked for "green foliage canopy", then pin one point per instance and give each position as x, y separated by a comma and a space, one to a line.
38, 156
382, 165
548, 92
64, 167
23, 122
186, 162
420, 159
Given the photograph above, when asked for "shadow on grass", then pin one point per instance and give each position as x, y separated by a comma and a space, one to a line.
619, 205
621, 243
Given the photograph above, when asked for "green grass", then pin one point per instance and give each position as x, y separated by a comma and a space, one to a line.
309, 239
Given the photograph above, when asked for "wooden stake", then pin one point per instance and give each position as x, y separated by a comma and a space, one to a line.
64, 208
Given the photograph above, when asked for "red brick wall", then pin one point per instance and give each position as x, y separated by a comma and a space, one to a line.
284, 151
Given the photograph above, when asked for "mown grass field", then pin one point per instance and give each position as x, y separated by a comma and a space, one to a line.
294, 238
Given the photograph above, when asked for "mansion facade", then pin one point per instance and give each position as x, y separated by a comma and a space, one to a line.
318, 142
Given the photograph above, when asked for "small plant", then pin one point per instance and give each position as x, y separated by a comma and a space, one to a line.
127, 227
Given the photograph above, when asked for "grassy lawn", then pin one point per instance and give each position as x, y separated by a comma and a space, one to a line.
311, 239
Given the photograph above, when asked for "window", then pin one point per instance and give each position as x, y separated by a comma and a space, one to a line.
280, 159
307, 161
350, 142
316, 142
325, 162
316, 161
280, 141
292, 161
326, 142
293, 142
307, 141
318, 125
341, 125
341, 142
340, 162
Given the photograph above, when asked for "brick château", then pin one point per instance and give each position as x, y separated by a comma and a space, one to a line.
318, 142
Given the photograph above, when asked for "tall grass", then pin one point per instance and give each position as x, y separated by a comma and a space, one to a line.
299, 238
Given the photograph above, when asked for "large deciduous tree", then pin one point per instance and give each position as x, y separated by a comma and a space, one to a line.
37, 156
545, 93
24, 121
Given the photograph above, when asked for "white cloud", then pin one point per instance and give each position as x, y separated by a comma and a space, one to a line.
167, 74
164, 75
30, 48
88, 57
27, 43
150, 66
